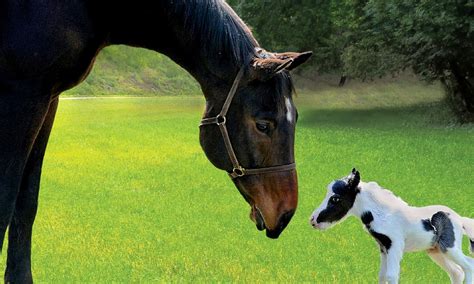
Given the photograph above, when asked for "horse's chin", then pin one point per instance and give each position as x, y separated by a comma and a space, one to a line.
273, 234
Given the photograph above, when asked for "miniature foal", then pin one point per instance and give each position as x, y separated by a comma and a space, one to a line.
398, 227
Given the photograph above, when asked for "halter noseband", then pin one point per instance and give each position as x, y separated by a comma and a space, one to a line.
220, 120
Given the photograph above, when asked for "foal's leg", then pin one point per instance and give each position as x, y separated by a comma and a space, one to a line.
383, 267
394, 256
456, 255
19, 241
456, 274
467, 263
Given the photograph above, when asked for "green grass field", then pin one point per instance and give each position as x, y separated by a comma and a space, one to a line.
128, 195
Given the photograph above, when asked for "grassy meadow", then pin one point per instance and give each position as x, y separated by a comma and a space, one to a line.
128, 195
125, 71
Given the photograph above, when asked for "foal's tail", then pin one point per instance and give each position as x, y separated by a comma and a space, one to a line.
468, 225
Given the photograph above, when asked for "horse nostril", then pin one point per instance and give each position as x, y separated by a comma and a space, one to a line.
285, 218
259, 221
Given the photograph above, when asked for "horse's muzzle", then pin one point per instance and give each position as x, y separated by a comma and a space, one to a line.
273, 198
281, 225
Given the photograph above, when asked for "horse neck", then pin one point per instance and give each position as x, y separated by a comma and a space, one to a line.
169, 29
374, 198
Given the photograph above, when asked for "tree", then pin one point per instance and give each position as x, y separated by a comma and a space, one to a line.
434, 38
372, 38
298, 25
327, 27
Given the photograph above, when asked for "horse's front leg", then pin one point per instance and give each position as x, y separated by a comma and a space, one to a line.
22, 114
19, 239
394, 257
383, 267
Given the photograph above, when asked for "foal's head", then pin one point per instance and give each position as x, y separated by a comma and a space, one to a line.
261, 125
340, 198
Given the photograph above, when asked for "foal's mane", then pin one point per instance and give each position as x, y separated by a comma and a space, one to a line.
382, 195
216, 28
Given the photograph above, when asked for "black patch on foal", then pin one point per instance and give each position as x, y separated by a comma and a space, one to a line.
444, 231
367, 218
427, 225
384, 241
340, 187
346, 194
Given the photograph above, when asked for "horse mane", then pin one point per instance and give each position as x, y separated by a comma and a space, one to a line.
382, 195
216, 28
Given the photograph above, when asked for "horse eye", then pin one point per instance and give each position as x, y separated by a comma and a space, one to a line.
262, 126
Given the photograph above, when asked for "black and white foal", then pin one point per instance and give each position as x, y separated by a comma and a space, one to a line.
398, 227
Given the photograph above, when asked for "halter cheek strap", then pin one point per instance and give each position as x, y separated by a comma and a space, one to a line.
220, 120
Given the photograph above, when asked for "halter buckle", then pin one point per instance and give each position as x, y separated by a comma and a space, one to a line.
221, 119
238, 172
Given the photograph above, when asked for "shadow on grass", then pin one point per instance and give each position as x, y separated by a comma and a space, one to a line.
434, 114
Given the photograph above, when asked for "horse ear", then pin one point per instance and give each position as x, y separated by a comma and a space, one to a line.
354, 179
267, 64
298, 58
265, 68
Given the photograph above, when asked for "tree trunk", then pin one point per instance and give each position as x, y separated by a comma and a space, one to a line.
342, 81
460, 91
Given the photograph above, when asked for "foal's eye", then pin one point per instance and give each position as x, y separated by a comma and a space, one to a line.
335, 199
262, 126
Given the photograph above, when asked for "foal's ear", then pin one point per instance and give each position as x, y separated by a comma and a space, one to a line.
354, 179
269, 64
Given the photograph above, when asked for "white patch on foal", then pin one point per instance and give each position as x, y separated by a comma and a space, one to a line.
289, 110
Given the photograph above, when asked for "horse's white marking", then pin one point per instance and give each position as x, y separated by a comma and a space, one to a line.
289, 110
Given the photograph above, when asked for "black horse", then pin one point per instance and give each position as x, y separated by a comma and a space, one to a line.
49, 46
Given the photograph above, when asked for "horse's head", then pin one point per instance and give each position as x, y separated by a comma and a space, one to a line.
340, 198
260, 123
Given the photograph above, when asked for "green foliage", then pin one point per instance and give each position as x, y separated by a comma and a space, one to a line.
376, 37
128, 195
425, 35
325, 27
371, 38
434, 38
292, 26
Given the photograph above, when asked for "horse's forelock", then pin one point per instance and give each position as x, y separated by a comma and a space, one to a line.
278, 89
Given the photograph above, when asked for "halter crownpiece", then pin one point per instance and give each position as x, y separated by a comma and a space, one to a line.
220, 120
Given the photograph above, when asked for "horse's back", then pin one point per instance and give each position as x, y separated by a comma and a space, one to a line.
52, 41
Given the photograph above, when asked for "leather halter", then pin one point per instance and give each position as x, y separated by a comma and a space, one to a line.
220, 120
